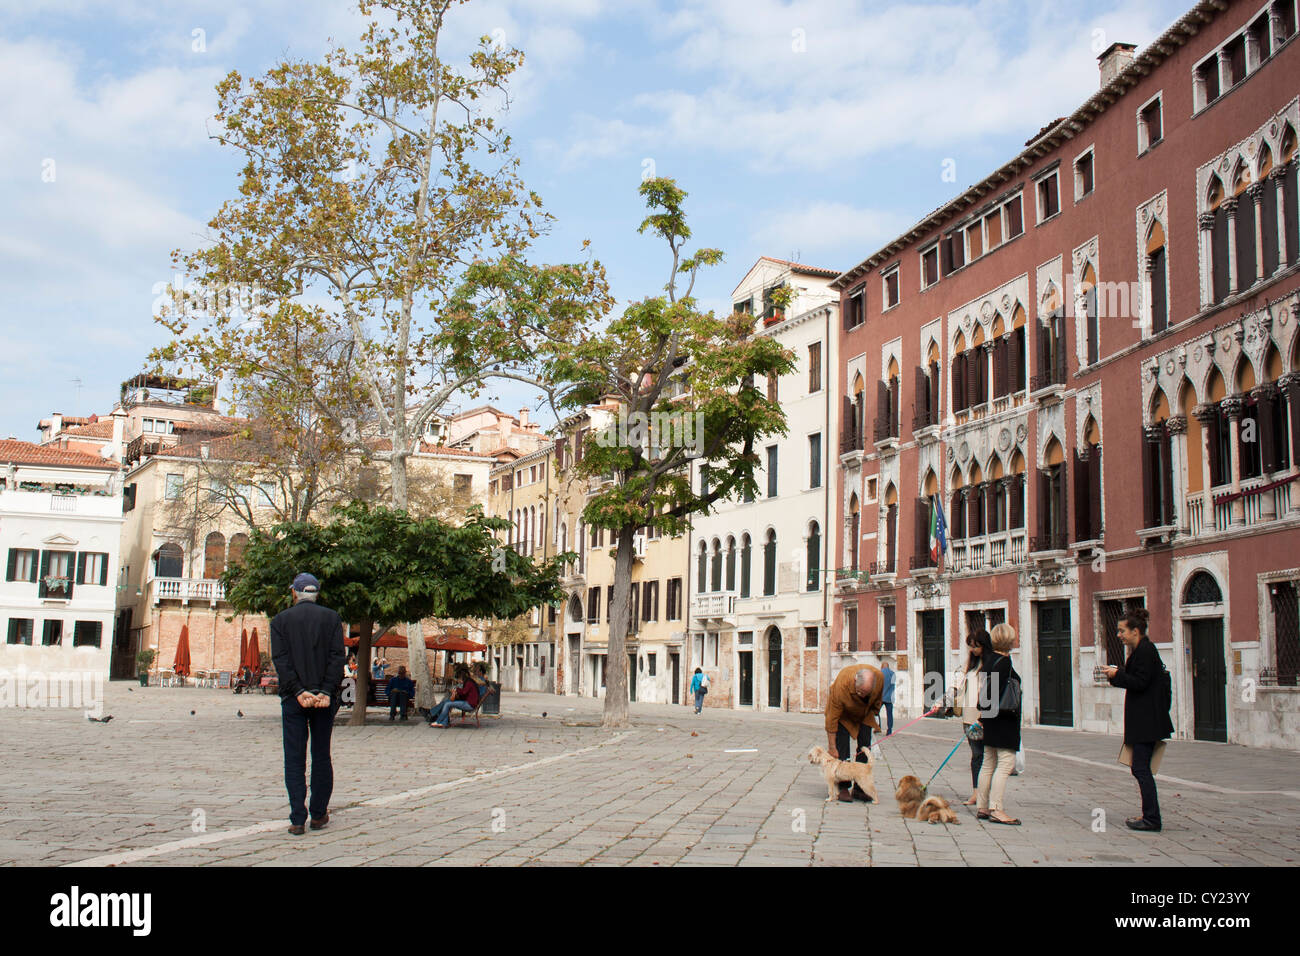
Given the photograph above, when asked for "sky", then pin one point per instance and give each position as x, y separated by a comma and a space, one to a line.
813, 130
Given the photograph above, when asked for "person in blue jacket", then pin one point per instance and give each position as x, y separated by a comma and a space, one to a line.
699, 687
888, 696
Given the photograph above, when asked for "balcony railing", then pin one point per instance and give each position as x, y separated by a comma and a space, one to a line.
989, 552
714, 604
64, 504
1047, 542
850, 441
883, 567
1256, 495
187, 590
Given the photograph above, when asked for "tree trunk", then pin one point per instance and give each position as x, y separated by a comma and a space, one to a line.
363, 674
616, 655
418, 663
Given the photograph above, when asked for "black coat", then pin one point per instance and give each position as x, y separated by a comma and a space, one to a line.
1146, 716
1001, 730
307, 648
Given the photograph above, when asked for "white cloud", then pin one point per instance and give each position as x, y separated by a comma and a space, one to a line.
819, 226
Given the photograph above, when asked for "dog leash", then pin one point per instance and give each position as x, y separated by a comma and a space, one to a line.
881, 740
941, 766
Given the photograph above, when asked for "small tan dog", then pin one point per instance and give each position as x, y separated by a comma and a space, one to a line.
917, 806
844, 771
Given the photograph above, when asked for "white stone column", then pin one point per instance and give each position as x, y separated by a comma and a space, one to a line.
1177, 425
1205, 414
1278, 177
1206, 222
1234, 406
1230, 206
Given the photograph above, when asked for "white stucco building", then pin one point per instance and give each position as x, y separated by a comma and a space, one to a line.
60, 527
759, 612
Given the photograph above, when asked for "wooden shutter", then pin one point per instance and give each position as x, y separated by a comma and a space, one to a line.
891, 545
1264, 422
103, 570
1212, 442
80, 559
847, 429
1080, 498
957, 515
922, 544
12, 573
1094, 492
920, 394
959, 382
1148, 483
974, 373
934, 393
1016, 509
1000, 367
1044, 507
1166, 477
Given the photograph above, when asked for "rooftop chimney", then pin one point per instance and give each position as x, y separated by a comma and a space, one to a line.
523, 418
119, 435
1115, 60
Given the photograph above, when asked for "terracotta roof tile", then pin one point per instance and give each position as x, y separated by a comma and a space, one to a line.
100, 429
26, 453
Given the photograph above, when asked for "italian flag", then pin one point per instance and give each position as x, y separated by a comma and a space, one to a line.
938, 529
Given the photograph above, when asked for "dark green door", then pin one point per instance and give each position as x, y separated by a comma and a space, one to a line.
631, 677
746, 669
932, 640
1055, 698
1209, 681
773, 667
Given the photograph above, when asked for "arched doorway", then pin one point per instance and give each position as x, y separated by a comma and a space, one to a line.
1202, 611
168, 561
574, 635
774, 667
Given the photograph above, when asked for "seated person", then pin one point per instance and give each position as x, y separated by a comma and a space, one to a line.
465, 698
401, 689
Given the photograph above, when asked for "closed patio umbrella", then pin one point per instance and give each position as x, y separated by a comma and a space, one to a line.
254, 653
243, 648
181, 665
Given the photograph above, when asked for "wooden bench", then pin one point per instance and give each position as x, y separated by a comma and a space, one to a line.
493, 689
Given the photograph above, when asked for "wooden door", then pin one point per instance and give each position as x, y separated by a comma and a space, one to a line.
773, 667
745, 672
1209, 681
677, 677
1055, 698
932, 641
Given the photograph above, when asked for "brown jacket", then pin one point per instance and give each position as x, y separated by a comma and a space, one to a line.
846, 708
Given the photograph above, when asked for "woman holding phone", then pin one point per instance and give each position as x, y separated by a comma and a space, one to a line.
979, 652
1146, 709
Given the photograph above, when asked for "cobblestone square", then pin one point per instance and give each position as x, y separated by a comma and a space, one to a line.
543, 784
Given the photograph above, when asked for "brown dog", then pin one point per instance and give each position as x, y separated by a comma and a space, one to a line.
917, 806
844, 771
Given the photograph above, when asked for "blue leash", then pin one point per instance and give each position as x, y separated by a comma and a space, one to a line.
945, 761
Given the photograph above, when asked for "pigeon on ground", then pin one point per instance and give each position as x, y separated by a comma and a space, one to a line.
191, 713
543, 713
100, 720
240, 713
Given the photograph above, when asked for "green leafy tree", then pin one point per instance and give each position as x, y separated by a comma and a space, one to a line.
373, 182
380, 567
684, 383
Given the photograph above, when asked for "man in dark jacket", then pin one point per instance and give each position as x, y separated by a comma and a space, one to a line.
307, 648
400, 691
1146, 710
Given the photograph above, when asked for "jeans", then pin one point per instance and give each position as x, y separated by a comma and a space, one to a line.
398, 701
300, 723
842, 745
976, 759
440, 713
889, 717
994, 775
1146, 781
699, 700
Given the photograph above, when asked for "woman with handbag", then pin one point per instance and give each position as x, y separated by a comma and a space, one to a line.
979, 651
999, 710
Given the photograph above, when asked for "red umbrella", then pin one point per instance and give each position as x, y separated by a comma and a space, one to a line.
181, 665
441, 642
254, 653
243, 648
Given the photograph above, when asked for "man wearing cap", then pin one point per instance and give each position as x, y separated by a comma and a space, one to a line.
307, 648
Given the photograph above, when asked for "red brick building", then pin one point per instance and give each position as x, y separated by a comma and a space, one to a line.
1090, 359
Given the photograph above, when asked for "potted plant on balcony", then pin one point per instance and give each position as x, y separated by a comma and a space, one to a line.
143, 661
